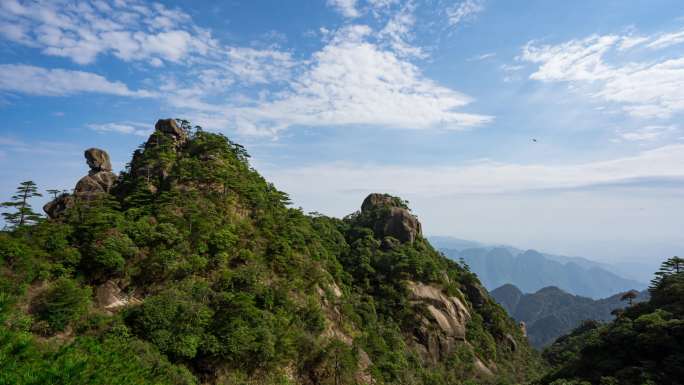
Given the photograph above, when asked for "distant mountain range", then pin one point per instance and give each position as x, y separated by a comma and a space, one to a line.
531, 270
551, 312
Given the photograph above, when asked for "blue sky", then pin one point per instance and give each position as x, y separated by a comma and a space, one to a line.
436, 101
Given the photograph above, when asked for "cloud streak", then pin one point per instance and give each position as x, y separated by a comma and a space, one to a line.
482, 177
33, 80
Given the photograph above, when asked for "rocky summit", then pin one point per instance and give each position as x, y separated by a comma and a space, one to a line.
188, 267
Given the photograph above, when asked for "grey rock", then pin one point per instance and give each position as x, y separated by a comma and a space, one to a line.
98, 160
170, 128
393, 218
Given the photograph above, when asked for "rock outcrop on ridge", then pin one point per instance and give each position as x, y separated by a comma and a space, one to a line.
100, 179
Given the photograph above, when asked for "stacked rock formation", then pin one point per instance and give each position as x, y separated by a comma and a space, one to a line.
100, 180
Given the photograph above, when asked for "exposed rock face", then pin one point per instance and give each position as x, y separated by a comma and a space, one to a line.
58, 206
376, 200
523, 328
450, 316
169, 127
395, 221
111, 298
98, 160
100, 180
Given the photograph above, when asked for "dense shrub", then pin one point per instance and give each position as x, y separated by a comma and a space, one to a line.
62, 302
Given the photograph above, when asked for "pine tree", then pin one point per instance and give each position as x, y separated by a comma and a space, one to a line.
54, 193
672, 266
24, 214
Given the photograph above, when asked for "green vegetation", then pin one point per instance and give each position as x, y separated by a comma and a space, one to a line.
24, 214
236, 287
642, 346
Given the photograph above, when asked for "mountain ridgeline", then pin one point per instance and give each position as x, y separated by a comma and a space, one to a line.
190, 268
551, 312
530, 271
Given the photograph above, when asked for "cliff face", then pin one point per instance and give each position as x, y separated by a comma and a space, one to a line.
191, 253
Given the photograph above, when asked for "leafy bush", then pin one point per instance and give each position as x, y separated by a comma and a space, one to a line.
62, 302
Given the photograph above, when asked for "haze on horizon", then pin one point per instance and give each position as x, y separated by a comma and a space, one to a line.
548, 125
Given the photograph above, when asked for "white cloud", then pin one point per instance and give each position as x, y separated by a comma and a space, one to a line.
131, 128
629, 42
346, 7
482, 177
360, 76
59, 82
131, 31
398, 31
483, 56
648, 89
353, 81
648, 133
667, 40
464, 11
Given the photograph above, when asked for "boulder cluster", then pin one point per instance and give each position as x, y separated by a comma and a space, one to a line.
101, 179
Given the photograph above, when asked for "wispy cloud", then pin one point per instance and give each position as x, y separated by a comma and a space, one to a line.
648, 133
360, 76
483, 177
648, 89
354, 81
81, 31
464, 11
131, 128
345, 7
667, 40
60, 82
483, 56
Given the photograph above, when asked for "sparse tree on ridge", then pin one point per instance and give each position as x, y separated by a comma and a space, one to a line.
24, 214
629, 296
54, 193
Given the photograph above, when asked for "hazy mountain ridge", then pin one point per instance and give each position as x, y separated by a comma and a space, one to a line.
531, 270
551, 312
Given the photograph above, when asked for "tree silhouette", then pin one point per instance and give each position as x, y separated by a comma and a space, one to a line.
54, 193
24, 214
629, 296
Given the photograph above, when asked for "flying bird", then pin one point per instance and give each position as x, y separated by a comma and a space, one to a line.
534, 140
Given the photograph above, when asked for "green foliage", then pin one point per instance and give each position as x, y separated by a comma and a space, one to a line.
173, 321
643, 345
62, 302
23, 213
87, 360
234, 283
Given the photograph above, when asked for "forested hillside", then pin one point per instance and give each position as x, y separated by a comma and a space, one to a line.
190, 268
642, 346
550, 312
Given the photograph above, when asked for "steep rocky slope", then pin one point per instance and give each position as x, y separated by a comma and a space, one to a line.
189, 267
